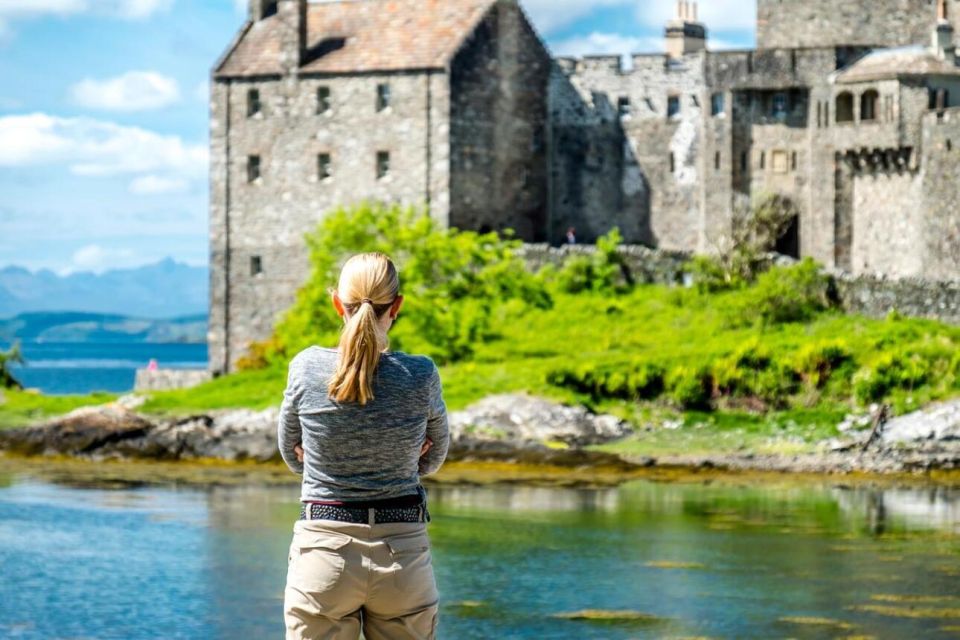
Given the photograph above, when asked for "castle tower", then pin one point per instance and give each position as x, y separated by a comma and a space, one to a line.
943, 34
685, 34
292, 16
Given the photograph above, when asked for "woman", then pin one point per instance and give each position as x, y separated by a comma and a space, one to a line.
362, 424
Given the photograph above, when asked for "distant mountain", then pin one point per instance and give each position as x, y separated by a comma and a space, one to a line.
99, 327
166, 289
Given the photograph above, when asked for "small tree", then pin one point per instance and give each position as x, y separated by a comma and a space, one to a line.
742, 254
7, 358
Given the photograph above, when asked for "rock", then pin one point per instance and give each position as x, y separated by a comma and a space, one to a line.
939, 422
82, 431
521, 420
131, 401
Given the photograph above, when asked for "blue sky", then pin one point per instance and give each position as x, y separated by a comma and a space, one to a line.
103, 115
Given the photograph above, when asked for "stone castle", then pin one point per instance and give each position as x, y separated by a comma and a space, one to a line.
847, 111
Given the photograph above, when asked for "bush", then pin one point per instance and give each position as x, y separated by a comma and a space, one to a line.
690, 387
752, 372
816, 362
604, 271
630, 381
889, 372
453, 282
784, 294
14, 354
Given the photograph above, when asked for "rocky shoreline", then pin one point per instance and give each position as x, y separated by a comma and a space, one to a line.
514, 428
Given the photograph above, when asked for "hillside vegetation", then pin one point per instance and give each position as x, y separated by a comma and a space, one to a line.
749, 359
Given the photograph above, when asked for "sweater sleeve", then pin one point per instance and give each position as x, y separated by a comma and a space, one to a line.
437, 427
288, 427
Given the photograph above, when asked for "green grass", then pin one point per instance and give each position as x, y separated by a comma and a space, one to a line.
667, 326
21, 408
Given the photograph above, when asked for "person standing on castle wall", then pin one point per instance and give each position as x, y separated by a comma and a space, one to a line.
571, 236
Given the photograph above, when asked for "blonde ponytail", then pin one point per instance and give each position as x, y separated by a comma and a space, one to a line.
368, 287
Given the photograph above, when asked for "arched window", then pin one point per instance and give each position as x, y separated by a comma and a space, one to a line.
868, 105
844, 108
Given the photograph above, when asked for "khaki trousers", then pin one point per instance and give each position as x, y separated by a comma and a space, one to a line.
343, 577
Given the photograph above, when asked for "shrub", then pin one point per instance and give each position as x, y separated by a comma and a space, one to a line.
816, 362
453, 282
628, 381
604, 271
14, 354
889, 372
690, 387
784, 294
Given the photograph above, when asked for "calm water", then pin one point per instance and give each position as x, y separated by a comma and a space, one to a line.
158, 563
65, 367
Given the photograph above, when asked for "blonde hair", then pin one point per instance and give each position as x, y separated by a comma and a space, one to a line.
368, 286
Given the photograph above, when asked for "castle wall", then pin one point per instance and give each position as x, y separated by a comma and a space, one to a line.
888, 220
498, 138
266, 220
817, 23
611, 168
941, 189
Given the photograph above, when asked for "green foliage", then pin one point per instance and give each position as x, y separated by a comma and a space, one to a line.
815, 362
604, 271
890, 371
690, 387
7, 358
793, 293
633, 381
452, 281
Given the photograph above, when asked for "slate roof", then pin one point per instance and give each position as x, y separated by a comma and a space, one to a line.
914, 60
355, 36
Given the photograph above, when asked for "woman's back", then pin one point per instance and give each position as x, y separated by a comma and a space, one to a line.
369, 451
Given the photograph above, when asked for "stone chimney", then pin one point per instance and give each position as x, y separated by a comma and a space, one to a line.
292, 17
685, 34
943, 34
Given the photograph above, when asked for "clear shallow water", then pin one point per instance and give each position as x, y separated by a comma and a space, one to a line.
68, 367
159, 563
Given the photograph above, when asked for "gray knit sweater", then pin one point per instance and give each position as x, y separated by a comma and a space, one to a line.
354, 452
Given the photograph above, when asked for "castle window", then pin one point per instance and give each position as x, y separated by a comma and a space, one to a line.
868, 105
256, 265
743, 161
323, 100
673, 106
845, 107
939, 99
763, 160
826, 114
672, 163
323, 166
623, 106
253, 168
253, 102
383, 96
793, 161
819, 114
383, 164
716, 160
716, 104
778, 108
778, 161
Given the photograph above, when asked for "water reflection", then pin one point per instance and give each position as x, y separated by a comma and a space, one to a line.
752, 561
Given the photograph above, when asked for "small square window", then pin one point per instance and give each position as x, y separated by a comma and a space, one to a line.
323, 100
673, 106
253, 102
256, 265
253, 168
324, 169
716, 104
383, 164
623, 106
383, 96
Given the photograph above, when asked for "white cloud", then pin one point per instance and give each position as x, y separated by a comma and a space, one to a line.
93, 257
153, 185
606, 44
720, 15
96, 148
131, 91
549, 15
13, 10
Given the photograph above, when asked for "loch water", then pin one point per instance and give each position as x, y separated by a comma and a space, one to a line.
705, 560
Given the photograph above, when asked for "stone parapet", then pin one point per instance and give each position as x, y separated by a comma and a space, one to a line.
166, 379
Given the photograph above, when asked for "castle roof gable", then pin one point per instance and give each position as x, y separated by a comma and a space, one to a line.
897, 62
358, 36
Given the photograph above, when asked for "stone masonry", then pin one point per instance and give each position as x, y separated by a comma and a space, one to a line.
850, 111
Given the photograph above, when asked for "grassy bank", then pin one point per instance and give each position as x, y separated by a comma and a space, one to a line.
657, 356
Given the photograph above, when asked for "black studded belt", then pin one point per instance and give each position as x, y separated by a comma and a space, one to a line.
412, 508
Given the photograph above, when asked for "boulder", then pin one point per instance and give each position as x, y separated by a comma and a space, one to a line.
82, 431
939, 422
